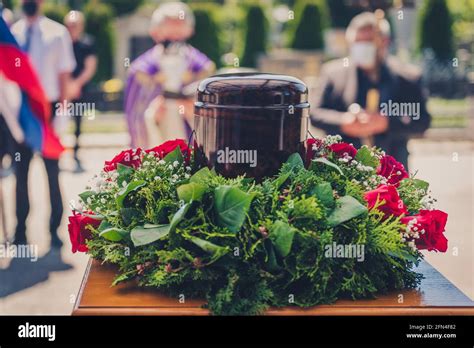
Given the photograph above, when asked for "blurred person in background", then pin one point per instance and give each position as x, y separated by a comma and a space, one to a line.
49, 47
351, 93
86, 66
166, 71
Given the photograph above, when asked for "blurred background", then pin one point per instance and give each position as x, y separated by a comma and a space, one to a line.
293, 37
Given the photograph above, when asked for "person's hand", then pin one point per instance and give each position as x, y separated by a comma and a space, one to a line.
378, 123
186, 108
159, 105
356, 126
74, 90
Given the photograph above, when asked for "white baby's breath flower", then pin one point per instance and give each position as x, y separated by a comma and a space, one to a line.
161, 162
175, 164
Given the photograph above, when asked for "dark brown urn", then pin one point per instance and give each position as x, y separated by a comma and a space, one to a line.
250, 123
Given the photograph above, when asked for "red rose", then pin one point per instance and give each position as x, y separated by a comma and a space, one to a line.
392, 204
130, 158
343, 150
391, 169
430, 226
168, 146
79, 232
312, 147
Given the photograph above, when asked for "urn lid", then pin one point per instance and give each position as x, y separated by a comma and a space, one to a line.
259, 90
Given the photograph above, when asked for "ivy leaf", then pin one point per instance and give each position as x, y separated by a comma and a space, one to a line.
202, 175
323, 192
231, 206
175, 155
295, 161
325, 161
179, 216
143, 236
281, 234
347, 208
132, 186
191, 192
364, 156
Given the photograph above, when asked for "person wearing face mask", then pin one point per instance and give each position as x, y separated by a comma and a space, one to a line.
86, 59
352, 90
49, 47
158, 80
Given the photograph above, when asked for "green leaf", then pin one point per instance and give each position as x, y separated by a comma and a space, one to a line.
216, 251
143, 236
191, 192
174, 155
347, 208
86, 194
124, 173
271, 261
281, 234
202, 175
295, 161
179, 216
128, 215
323, 192
231, 206
417, 183
280, 180
364, 156
132, 186
325, 161
404, 255
113, 234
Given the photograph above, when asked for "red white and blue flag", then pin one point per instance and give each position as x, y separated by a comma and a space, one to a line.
33, 111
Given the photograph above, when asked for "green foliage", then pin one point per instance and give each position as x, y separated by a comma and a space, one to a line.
244, 246
99, 24
56, 12
435, 29
307, 32
206, 32
341, 12
10, 4
255, 36
123, 7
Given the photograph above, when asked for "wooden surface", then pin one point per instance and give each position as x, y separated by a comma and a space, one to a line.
436, 296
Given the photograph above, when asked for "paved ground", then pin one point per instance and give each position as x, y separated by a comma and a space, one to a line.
50, 286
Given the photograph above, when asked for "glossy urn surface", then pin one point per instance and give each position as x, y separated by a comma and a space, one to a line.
250, 123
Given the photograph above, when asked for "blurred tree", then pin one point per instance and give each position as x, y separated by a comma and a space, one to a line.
341, 12
123, 7
56, 12
307, 33
8, 3
435, 29
206, 33
99, 24
255, 36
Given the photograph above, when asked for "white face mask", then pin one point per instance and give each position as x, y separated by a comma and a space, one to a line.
363, 54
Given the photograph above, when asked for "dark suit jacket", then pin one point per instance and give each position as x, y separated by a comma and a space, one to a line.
338, 90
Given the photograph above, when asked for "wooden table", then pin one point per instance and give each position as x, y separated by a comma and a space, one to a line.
436, 296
